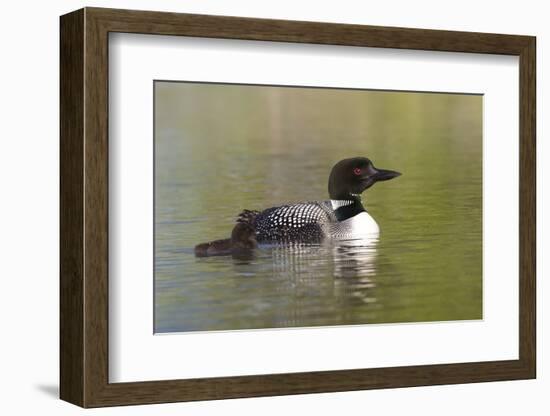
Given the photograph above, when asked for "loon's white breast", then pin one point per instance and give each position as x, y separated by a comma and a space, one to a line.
361, 225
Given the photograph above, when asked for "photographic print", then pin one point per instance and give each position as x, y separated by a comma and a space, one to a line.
291, 206
234, 188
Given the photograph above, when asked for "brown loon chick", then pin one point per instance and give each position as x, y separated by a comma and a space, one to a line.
243, 239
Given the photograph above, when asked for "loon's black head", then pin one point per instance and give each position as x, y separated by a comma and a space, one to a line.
350, 177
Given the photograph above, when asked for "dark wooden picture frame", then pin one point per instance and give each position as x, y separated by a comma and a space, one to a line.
84, 207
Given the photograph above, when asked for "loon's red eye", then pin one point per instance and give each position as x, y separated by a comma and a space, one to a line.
357, 171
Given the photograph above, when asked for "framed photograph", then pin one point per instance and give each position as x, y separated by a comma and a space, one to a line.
255, 207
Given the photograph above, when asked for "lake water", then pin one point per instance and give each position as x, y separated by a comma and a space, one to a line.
220, 149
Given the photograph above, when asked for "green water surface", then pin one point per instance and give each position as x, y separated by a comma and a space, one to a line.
222, 148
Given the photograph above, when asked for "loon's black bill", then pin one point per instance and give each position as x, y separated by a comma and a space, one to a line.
385, 175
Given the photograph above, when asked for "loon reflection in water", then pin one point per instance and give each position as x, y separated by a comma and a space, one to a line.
342, 218
297, 276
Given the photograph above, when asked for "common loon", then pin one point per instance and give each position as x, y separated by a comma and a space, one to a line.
343, 217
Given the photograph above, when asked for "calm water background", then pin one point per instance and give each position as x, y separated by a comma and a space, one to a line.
222, 148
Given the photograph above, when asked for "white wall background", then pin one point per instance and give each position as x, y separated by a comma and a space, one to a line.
29, 211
